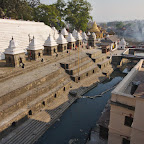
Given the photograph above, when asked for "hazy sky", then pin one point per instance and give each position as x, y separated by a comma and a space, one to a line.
109, 10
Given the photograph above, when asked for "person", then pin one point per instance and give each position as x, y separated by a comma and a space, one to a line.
42, 60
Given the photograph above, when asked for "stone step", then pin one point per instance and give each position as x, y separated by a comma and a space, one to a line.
21, 100
99, 58
35, 105
94, 54
79, 67
104, 63
70, 63
85, 73
16, 86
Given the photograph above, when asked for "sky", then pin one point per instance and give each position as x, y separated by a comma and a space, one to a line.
111, 10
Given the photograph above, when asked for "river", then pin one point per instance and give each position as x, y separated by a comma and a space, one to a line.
77, 121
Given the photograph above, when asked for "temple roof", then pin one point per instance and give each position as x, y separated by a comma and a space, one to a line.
13, 48
61, 39
94, 28
88, 33
94, 35
74, 33
122, 42
34, 45
70, 38
50, 41
64, 32
84, 36
78, 36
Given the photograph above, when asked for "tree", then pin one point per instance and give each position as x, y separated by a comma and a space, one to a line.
33, 3
119, 25
60, 5
77, 14
49, 15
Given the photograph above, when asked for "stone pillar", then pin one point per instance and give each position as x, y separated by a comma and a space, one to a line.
35, 54
62, 47
50, 50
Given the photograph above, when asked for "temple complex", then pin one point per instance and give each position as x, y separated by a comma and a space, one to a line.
14, 55
34, 50
50, 46
62, 43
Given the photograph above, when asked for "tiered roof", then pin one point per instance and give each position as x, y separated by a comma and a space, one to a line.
61, 39
50, 41
13, 48
34, 45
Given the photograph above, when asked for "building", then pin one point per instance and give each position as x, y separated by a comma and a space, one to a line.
78, 40
92, 40
34, 50
50, 46
127, 109
71, 41
111, 40
105, 48
62, 43
122, 44
74, 33
14, 55
96, 30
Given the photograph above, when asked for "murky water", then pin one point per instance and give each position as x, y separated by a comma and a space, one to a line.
79, 118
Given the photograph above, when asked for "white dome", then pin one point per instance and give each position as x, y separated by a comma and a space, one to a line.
70, 38
13, 48
88, 33
64, 32
94, 35
50, 41
74, 33
78, 36
34, 45
84, 36
61, 39
122, 42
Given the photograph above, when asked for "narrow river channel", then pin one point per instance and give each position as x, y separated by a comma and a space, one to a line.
81, 116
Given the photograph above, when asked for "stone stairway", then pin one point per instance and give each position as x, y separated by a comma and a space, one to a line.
27, 94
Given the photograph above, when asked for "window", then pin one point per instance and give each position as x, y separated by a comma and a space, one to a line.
128, 121
78, 78
30, 112
43, 103
64, 89
55, 95
125, 141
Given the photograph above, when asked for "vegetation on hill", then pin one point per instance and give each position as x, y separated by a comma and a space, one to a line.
75, 13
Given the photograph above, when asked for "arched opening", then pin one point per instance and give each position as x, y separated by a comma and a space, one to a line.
43, 103
30, 112
93, 71
54, 50
73, 45
39, 54
80, 43
55, 95
87, 74
78, 78
13, 124
20, 60
64, 89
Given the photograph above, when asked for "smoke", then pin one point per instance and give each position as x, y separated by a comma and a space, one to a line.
135, 31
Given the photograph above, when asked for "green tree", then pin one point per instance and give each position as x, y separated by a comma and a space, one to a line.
119, 25
48, 14
60, 5
77, 14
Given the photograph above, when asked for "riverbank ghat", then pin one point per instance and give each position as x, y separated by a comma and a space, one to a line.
126, 114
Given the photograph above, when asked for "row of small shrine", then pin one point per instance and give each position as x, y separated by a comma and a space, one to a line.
15, 56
